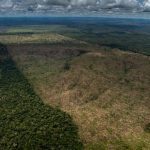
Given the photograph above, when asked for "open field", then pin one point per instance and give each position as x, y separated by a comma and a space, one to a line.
40, 29
89, 71
35, 38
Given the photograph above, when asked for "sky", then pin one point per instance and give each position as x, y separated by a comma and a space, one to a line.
75, 7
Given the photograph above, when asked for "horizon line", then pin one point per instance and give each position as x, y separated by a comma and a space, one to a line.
76, 16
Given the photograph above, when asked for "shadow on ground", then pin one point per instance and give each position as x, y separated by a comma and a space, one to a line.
25, 122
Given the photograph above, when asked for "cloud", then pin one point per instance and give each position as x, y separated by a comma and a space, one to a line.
129, 4
83, 2
80, 6
54, 2
5, 4
146, 5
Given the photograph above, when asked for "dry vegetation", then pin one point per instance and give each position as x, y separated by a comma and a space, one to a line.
106, 92
51, 38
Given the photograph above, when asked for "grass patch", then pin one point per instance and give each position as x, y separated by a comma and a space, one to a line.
39, 29
98, 146
51, 38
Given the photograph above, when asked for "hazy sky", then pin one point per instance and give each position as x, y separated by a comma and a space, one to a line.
74, 7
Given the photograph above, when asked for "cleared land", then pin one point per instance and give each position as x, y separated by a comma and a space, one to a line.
35, 38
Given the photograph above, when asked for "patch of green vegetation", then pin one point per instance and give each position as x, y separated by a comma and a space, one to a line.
39, 29
99, 146
66, 65
127, 42
25, 122
130, 144
147, 127
123, 37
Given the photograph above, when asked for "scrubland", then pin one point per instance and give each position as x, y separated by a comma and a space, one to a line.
105, 90
106, 93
